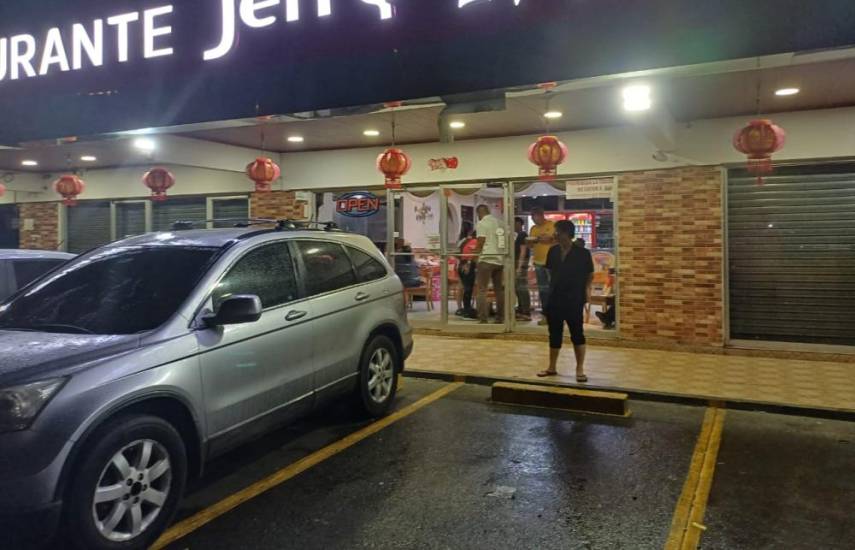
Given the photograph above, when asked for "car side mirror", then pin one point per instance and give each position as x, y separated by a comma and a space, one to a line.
236, 310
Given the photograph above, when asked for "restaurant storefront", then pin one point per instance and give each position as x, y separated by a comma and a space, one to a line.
689, 250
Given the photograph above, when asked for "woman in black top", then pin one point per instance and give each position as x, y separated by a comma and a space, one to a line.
571, 270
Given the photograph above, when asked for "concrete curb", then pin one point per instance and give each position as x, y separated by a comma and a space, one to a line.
678, 399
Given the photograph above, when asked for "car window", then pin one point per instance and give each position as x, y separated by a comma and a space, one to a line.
27, 271
266, 272
367, 268
116, 291
328, 267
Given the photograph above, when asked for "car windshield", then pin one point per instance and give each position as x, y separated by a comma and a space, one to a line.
114, 291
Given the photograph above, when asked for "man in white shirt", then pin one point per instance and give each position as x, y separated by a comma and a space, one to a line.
490, 264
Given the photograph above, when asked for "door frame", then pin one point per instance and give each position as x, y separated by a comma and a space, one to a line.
445, 254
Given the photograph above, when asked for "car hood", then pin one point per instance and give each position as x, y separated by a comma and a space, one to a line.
30, 355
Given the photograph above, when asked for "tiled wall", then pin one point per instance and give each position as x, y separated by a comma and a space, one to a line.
671, 249
43, 217
276, 205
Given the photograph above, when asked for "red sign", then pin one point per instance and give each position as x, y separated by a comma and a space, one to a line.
357, 205
450, 163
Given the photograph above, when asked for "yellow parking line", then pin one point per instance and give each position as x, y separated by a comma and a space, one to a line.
187, 526
687, 523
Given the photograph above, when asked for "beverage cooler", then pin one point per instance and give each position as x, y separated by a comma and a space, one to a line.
585, 222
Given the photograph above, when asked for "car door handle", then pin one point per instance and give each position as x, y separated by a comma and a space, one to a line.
361, 296
295, 315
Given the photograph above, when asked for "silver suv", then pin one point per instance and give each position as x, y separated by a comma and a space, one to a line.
123, 371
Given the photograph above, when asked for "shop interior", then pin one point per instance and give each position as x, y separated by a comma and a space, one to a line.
435, 267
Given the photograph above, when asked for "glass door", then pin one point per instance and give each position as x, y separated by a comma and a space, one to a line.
434, 251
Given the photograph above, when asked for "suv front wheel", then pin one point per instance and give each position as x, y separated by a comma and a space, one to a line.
127, 484
378, 376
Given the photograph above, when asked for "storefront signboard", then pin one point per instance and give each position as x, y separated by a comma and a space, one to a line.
360, 204
87, 67
591, 188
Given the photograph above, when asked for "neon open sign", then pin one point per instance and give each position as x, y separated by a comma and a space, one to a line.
82, 45
357, 205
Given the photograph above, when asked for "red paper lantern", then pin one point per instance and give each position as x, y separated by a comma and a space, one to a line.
394, 164
2, 189
548, 153
159, 180
263, 172
69, 186
759, 140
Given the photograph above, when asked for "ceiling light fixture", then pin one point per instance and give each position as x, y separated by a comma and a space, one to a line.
29, 163
457, 125
553, 114
145, 144
88, 158
786, 91
371, 133
296, 139
637, 98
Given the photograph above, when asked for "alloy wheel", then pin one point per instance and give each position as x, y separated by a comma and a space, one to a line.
132, 490
381, 371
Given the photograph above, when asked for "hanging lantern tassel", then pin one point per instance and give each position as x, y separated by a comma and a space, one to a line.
69, 186
759, 140
548, 153
263, 172
394, 164
159, 180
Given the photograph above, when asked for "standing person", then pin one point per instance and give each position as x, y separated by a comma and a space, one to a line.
571, 270
466, 269
522, 255
541, 239
490, 264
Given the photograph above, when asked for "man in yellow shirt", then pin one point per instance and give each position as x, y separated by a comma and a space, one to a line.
541, 239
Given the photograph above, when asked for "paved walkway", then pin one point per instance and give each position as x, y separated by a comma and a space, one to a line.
767, 381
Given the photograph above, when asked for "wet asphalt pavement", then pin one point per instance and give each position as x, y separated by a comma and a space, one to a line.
464, 473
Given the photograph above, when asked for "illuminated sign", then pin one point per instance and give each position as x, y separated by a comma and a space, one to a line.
89, 67
63, 50
357, 204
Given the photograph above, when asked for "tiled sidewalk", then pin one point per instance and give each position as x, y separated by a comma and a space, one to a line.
794, 383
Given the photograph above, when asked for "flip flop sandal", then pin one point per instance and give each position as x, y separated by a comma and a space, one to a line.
545, 373
581, 378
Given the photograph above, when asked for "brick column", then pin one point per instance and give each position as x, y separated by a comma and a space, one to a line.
671, 251
276, 205
39, 225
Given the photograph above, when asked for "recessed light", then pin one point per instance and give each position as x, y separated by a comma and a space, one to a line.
29, 163
88, 158
296, 139
145, 144
457, 125
371, 133
787, 91
553, 114
637, 98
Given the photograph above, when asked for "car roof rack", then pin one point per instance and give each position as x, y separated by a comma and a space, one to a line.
304, 225
185, 225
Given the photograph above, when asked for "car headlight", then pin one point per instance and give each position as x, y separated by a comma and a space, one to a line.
20, 405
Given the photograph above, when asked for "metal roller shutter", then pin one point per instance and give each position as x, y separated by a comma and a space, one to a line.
792, 255
230, 209
164, 214
88, 226
130, 219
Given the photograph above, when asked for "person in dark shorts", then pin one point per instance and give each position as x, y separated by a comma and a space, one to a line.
571, 270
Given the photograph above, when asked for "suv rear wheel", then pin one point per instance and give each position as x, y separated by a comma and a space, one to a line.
127, 485
378, 378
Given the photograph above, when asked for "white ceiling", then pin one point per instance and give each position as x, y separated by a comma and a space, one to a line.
687, 97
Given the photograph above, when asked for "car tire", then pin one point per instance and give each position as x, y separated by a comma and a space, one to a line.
378, 376
145, 493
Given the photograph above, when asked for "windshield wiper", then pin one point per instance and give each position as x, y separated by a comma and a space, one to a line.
53, 327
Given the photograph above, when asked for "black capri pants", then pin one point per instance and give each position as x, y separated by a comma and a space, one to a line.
571, 313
